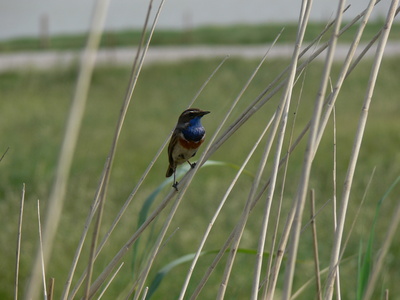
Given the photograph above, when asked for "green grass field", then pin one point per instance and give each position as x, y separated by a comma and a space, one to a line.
207, 35
34, 108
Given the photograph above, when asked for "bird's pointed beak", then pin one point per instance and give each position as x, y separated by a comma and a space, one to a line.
203, 113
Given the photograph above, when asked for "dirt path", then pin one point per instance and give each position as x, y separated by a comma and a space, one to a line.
125, 56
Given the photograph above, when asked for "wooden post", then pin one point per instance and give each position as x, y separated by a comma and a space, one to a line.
44, 31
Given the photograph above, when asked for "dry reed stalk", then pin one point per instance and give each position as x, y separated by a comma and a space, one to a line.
196, 293
281, 122
218, 210
89, 269
51, 287
238, 228
315, 246
131, 196
334, 183
284, 162
187, 179
261, 100
344, 71
57, 195
308, 158
78, 250
102, 189
356, 149
241, 223
144, 293
349, 70
110, 281
41, 252
144, 274
281, 248
301, 135
156, 247
123, 209
134, 191
19, 236
275, 86
108, 269
101, 195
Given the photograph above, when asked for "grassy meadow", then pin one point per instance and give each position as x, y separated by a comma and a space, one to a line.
240, 34
34, 109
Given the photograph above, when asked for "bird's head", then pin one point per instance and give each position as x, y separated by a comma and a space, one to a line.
192, 116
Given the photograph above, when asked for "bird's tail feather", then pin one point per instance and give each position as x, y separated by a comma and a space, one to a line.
170, 171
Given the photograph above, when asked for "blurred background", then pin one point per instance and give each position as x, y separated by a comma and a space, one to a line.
22, 18
34, 105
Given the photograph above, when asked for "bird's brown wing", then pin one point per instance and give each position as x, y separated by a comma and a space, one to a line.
172, 143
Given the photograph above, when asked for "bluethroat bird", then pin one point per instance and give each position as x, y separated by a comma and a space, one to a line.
187, 137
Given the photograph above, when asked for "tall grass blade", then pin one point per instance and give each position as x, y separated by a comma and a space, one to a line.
366, 258
394, 224
184, 259
164, 271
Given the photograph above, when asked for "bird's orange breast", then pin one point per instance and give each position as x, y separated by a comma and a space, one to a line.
190, 144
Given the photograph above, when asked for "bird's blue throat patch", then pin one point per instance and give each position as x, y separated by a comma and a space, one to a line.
195, 131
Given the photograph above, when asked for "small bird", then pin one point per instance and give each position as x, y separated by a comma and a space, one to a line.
187, 137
